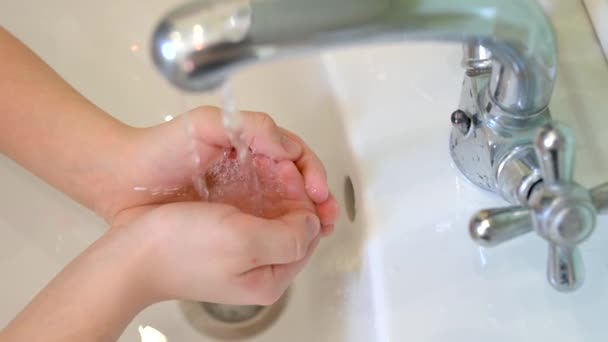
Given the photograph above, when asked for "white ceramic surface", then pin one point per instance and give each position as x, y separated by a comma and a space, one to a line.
438, 286
598, 13
405, 270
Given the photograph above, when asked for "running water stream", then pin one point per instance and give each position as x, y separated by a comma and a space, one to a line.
235, 178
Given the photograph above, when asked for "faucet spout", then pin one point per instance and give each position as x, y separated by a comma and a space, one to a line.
200, 44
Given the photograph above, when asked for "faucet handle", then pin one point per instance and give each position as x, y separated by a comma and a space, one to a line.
558, 209
555, 152
564, 211
564, 265
491, 227
564, 268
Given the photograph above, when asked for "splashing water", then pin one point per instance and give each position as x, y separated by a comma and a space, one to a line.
239, 177
234, 179
254, 188
233, 123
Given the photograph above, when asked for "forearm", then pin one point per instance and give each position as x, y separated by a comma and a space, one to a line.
92, 299
52, 130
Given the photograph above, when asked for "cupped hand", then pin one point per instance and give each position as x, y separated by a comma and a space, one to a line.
245, 248
235, 239
162, 163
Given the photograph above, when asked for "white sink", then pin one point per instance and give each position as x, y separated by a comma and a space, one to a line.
436, 284
105, 56
598, 13
332, 300
405, 269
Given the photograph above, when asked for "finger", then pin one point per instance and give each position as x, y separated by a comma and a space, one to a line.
266, 284
292, 182
328, 213
290, 177
263, 136
312, 169
277, 241
259, 132
327, 230
285, 273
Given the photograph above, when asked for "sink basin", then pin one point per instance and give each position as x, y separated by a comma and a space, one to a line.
331, 301
437, 285
404, 268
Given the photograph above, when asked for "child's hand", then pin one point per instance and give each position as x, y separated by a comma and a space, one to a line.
244, 248
163, 160
165, 242
238, 249
215, 252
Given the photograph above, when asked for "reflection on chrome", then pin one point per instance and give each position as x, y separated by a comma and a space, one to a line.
168, 51
198, 37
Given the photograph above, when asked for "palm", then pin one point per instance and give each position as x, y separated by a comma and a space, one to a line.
258, 186
176, 161
261, 186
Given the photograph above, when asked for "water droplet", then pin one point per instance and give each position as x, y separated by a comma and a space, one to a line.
443, 227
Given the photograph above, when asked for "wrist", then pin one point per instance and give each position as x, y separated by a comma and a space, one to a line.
132, 255
142, 248
105, 178
104, 282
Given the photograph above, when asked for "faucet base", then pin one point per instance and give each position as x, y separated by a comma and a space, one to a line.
494, 150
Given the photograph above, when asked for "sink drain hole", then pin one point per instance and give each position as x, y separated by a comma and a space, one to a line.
349, 199
232, 322
232, 313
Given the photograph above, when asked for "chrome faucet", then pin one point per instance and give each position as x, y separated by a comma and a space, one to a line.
503, 138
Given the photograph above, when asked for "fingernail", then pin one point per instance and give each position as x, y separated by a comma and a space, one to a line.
290, 146
317, 195
314, 226
327, 229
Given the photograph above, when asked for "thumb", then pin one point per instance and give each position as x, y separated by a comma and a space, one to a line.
276, 241
259, 132
269, 282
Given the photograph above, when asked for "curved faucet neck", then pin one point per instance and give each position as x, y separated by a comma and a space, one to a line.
199, 45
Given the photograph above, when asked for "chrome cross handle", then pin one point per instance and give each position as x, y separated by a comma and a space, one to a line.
557, 208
